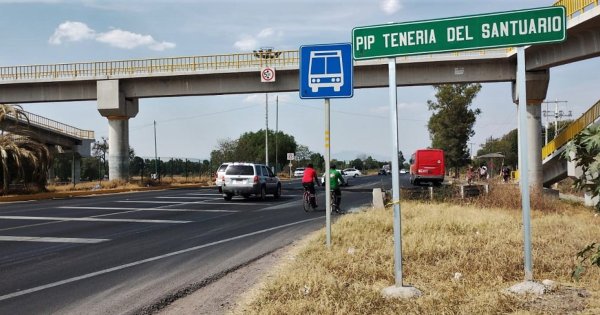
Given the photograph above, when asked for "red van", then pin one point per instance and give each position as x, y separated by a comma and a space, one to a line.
427, 165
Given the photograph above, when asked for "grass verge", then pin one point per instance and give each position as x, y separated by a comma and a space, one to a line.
439, 240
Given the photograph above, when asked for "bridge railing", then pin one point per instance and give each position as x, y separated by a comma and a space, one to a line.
53, 125
588, 118
574, 7
255, 60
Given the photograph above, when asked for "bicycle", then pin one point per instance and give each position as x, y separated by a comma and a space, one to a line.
335, 203
308, 207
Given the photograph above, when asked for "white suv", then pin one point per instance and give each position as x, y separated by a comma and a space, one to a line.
219, 175
299, 172
246, 179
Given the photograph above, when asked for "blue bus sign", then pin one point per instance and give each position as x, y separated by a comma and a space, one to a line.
326, 71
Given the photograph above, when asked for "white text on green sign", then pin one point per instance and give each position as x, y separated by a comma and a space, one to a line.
503, 29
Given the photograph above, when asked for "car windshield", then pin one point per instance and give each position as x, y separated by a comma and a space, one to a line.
240, 170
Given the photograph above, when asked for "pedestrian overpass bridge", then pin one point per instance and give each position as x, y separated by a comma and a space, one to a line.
117, 86
50, 132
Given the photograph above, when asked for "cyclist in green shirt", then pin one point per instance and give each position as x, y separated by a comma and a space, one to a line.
335, 179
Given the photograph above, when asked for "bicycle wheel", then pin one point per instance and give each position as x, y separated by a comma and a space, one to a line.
306, 202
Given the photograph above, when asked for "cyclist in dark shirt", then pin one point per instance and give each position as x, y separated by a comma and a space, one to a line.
308, 181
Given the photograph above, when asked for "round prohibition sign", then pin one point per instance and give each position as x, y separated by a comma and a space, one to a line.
267, 74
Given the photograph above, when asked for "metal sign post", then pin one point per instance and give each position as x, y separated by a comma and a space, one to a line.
326, 71
524, 167
395, 172
327, 181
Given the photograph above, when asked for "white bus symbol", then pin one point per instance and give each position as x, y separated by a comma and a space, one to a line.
325, 70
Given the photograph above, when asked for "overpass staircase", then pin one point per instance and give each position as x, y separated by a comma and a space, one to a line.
555, 166
50, 132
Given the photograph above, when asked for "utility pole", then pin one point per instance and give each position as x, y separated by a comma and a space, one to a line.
276, 130
267, 129
471, 150
558, 114
155, 153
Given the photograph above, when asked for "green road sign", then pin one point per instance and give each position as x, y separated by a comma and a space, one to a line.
502, 29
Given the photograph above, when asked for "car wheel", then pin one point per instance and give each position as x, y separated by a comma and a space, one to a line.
277, 193
227, 196
263, 192
355, 175
246, 196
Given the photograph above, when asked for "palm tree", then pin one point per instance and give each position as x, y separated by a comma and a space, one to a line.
21, 155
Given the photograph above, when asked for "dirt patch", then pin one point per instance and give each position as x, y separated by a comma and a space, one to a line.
231, 292
564, 300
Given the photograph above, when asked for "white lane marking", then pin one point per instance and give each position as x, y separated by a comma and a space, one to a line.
89, 219
182, 197
235, 203
151, 201
143, 261
53, 239
148, 209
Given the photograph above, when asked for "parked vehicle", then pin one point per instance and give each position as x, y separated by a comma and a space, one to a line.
427, 165
353, 172
219, 176
299, 172
403, 171
345, 176
246, 179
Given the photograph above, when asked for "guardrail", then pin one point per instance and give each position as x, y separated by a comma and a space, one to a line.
53, 125
586, 119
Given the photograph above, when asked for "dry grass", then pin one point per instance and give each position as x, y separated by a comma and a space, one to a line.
133, 184
485, 245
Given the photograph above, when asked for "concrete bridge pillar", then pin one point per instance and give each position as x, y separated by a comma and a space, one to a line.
76, 168
113, 105
537, 87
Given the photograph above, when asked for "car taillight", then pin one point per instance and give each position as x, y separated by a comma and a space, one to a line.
255, 179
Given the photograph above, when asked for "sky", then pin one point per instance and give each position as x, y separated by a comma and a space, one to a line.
65, 31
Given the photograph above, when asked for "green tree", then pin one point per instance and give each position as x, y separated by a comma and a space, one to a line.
357, 163
302, 154
225, 152
451, 124
318, 161
21, 155
250, 147
584, 150
370, 163
507, 145
401, 159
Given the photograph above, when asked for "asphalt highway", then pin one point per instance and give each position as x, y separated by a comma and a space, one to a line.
129, 253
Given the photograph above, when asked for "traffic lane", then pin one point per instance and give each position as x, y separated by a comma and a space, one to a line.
11, 251
129, 289
92, 254
295, 205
